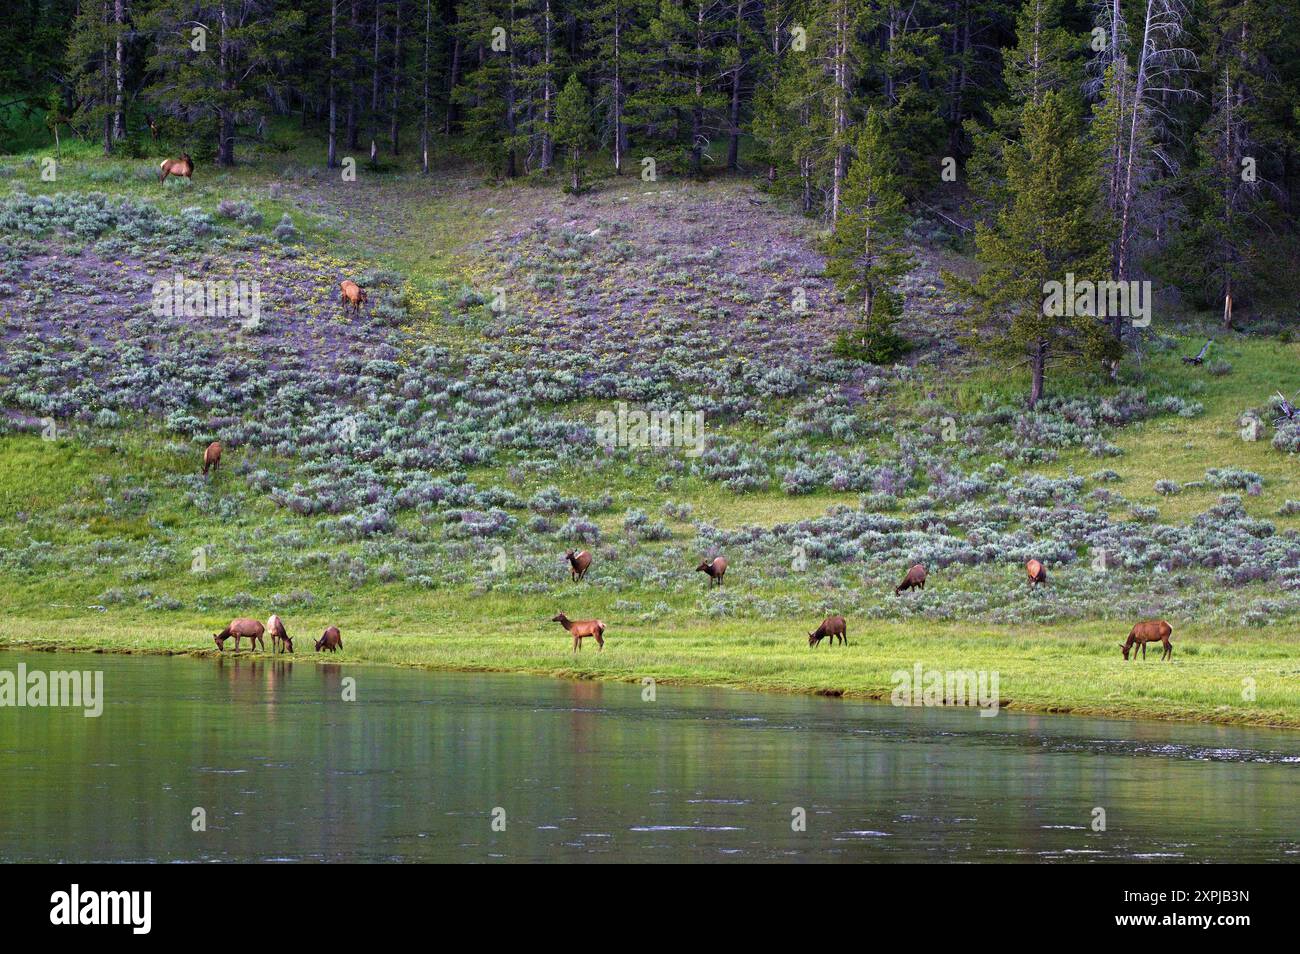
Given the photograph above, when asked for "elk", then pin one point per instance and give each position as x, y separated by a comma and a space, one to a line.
581, 629
242, 628
330, 640
1037, 572
212, 457
831, 627
915, 579
184, 166
579, 563
716, 568
352, 294
1149, 631
279, 635
153, 127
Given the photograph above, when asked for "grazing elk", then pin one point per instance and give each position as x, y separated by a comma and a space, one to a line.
915, 579
579, 563
1037, 572
242, 628
279, 635
716, 568
212, 457
184, 166
580, 629
330, 641
351, 294
1154, 630
831, 627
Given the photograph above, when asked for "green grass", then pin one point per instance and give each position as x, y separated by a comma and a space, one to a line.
60, 488
1074, 669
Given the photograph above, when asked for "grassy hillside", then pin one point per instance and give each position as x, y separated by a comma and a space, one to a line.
416, 473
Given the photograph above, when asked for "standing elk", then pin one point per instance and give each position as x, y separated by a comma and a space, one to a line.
1150, 631
831, 627
184, 167
581, 629
351, 294
915, 579
242, 628
579, 563
212, 457
279, 635
1037, 572
715, 568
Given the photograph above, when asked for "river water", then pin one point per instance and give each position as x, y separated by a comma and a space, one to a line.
272, 763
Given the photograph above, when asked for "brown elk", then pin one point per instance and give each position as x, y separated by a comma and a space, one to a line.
1037, 572
212, 457
716, 568
352, 294
153, 127
242, 628
330, 641
184, 166
279, 635
915, 579
1149, 631
579, 563
581, 629
831, 627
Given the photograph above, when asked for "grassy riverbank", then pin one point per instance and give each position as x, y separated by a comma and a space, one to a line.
414, 474
1067, 669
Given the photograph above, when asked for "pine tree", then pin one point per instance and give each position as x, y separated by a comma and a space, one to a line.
91, 48
866, 253
1049, 228
573, 128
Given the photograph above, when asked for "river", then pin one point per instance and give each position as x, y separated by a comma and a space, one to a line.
256, 760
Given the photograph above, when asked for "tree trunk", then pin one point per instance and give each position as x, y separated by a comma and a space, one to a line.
733, 142
119, 116
397, 77
354, 42
374, 91
1038, 362
424, 124
619, 134
548, 145
331, 158
453, 77
225, 121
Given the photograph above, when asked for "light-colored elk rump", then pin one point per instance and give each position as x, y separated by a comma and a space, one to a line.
184, 166
915, 579
1149, 631
352, 295
1037, 572
279, 635
579, 563
716, 568
581, 629
831, 627
242, 628
330, 640
212, 457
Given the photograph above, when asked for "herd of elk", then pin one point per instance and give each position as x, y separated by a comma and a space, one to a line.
183, 167
253, 631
